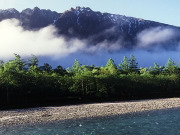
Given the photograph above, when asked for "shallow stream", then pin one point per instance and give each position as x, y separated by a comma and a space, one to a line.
159, 122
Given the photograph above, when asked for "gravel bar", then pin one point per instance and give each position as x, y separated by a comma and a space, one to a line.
49, 114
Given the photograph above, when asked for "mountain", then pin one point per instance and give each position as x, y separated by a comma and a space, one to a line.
31, 18
83, 23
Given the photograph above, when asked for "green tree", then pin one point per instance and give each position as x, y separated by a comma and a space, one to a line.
143, 71
133, 65
12, 72
1, 65
111, 66
156, 69
33, 61
111, 63
76, 68
124, 66
15, 65
46, 67
60, 70
170, 66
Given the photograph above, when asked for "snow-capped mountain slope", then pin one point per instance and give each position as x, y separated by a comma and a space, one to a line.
99, 27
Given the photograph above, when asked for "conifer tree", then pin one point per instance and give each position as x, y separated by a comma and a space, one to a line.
111, 66
76, 68
33, 61
170, 66
124, 64
133, 65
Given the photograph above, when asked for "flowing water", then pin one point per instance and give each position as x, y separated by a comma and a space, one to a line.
159, 122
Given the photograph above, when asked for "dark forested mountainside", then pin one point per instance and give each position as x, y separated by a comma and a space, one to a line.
25, 84
84, 23
31, 18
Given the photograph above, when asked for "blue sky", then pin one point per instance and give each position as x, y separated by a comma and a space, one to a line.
165, 11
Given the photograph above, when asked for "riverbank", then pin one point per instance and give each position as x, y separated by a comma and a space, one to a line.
47, 114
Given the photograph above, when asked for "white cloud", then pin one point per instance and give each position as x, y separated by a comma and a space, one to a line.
155, 35
44, 42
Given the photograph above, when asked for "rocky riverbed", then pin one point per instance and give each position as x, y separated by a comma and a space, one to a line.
47, 114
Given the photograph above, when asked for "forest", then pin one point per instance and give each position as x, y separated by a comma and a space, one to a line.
25, 84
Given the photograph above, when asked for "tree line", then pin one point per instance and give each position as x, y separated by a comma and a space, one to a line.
23, 83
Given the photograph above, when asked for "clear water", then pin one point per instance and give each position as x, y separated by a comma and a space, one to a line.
162, 122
